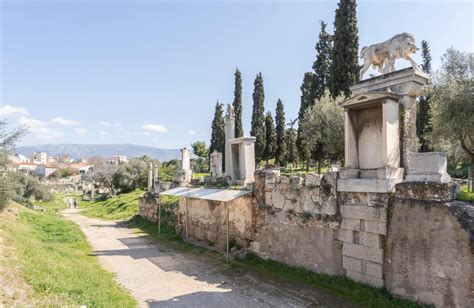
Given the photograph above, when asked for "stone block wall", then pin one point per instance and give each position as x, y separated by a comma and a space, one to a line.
363, 230
429, 255
297, 220
206, 220
148, 207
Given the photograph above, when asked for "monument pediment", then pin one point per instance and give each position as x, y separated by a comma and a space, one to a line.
366, 100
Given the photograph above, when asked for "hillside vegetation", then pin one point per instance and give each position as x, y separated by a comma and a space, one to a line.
49, 261
121, 207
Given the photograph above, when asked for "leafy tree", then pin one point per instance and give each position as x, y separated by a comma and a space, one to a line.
202, 152
322, 131
7, 147
131, 175
306, 102
452, 104
270, 137
62, 173
103, 174
322, 63
200, 149
218, 133
292, 150
280, 147
423, 116
258, 117
344, 69
26, 187
239, 130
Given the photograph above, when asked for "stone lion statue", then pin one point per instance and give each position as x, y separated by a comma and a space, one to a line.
382, 55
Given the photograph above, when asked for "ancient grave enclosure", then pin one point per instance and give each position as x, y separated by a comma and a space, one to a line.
387, 219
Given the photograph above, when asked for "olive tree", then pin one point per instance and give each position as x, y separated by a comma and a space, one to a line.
322, 131
452, 100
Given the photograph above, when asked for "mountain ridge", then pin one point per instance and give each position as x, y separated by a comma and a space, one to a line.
105, 150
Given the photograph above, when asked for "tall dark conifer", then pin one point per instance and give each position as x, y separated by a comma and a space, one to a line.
426, 54
258, 117
344, 69
423, 115
218, 133
239, 130
292, 150
270, 137
306, 102
322, 63
280, 147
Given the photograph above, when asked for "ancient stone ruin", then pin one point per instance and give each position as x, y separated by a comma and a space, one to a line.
387, 219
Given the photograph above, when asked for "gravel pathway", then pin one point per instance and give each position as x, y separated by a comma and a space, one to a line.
161, 277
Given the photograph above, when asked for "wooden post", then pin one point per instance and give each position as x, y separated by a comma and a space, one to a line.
186, 222
159, 217
469, 179
227, 232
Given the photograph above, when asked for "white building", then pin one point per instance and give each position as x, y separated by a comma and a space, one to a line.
40, 157
44, 170
119, 159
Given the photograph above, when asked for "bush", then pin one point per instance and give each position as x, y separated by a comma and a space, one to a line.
27, 187
62, 173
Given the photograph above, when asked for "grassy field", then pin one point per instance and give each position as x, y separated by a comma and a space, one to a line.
54, 259
463, 195
121, 207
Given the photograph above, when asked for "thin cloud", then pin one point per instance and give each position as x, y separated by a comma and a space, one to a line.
156, 128
103, 133
108, 124
66, 122
81, 131
39, 128
9, 110
192, 132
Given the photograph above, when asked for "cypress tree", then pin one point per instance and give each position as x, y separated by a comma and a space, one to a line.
292, 151
322, 63
239, 130
258, 117
423, 114
344, 69
270, 137
306, 102
218, 133
426, 54
280, 147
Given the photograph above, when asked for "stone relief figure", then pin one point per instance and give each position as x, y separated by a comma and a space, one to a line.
230, 111
382, 56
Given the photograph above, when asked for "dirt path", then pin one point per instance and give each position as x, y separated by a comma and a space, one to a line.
160, 277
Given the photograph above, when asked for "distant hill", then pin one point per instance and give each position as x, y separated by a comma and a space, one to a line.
104, 150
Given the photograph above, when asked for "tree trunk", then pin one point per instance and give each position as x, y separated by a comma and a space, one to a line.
307, 165
319, 166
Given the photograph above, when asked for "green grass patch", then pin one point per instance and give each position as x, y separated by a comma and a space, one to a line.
198, 175
57, 262
343, 286
464, 195
121, 207
56, 204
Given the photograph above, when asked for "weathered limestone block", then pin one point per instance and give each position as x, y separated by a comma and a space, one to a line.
430, 252
367, 279
296, 181
312, 179
352, 264
425, 191
364, 212
375, 227
363, 252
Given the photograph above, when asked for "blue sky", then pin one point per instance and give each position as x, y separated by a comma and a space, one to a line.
150, 72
